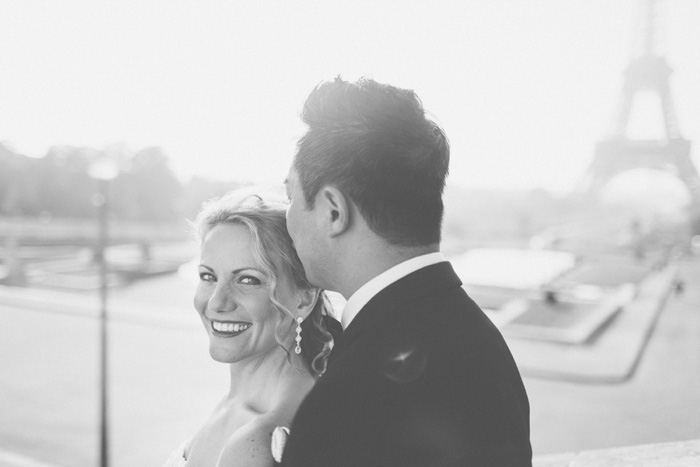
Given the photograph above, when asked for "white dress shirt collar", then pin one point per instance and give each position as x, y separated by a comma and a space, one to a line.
371, 288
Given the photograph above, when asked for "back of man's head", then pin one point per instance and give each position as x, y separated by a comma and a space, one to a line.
373, 142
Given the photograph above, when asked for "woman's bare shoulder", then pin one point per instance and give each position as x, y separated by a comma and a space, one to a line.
251, 444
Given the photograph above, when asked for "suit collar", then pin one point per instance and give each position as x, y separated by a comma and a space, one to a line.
365, 293
423, 282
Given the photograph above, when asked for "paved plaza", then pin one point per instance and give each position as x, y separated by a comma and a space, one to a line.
660, 402
163, 383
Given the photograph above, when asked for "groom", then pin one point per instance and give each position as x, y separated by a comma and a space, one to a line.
420, 376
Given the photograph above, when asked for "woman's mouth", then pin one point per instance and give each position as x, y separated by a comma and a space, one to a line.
228, 328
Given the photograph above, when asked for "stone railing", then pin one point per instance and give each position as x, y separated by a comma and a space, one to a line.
674, 454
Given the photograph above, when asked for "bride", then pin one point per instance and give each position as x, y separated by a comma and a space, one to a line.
264, 320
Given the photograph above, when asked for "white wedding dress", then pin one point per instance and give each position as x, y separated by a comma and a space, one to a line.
177, 458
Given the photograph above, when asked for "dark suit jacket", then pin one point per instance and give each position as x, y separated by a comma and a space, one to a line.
421, 377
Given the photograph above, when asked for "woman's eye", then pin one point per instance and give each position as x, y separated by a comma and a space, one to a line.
207, 277
249, 280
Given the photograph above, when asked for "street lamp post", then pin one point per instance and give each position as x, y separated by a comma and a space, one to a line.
103, 169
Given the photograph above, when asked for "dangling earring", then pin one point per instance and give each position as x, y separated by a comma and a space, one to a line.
297, 349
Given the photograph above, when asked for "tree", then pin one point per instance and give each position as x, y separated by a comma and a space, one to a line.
148, 189
18, 189
64, 184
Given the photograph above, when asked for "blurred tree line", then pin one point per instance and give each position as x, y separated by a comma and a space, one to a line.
59, 185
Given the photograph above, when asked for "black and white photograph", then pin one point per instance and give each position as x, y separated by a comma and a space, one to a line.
388, 233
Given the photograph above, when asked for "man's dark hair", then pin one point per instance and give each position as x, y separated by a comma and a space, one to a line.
373, 142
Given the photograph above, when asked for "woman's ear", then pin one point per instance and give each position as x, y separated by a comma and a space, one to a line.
306, 301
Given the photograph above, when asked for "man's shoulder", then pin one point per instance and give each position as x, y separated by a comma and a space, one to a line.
448, 311
446, 334
447, 326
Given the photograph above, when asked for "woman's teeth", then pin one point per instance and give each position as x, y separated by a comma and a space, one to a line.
229, 327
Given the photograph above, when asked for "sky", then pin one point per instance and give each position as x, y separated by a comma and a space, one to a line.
523, 88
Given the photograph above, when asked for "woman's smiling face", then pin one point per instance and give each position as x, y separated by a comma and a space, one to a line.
232, 297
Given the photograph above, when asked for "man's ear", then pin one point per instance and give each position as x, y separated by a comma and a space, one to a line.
307, 299
336, 209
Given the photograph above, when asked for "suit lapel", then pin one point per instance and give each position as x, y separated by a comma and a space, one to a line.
423, 282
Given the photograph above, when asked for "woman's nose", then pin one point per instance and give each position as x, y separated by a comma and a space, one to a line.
222, 299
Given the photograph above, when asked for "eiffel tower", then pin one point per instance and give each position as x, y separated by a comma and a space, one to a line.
616, 154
